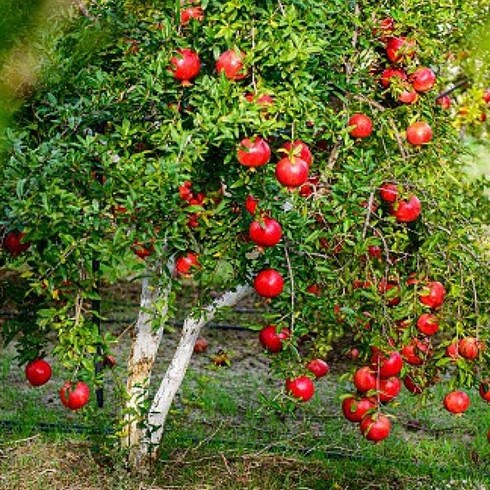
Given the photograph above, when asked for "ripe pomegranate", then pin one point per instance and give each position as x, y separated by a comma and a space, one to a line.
392, 72
309, 186
362, 126
432, 295
193, 220
375, 251
185, 263
196, 13
14, 243
318, 367
468, 348
185, 192
141, 250
452, 350
109, 361
268, 283
444, 101
272, 340
384, 288
400, 49
386, 365
360, 284
231, 64
38, 372
412, 279
384, 28
398, 78
427, 324
201, 345
197, 200
253, 152
299, 149
406, 211
419, 133
265, 233
364, 379
408, 96
185, 66
262, 100
403, 324
354, 409
412, 386
486, 96
415, 352
423, 79
456, 402
301, 387
388, 192
389, 389
292, 172
353, 353
375, 427
484, 390
314, 289
74, 395
251, 204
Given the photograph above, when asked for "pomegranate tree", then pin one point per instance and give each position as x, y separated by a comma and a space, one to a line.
324, 176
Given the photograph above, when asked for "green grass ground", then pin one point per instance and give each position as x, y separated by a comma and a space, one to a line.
223, 433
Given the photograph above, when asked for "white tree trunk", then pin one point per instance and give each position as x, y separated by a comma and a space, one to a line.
146, 339
176, 371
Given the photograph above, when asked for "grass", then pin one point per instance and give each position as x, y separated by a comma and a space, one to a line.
223, 433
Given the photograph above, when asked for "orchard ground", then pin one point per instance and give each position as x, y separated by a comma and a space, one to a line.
224, 431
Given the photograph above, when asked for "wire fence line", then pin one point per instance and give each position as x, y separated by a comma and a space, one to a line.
276, 448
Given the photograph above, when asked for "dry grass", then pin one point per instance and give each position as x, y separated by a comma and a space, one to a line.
34, 464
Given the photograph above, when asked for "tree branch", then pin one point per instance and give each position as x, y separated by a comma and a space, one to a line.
462, 83
83, 9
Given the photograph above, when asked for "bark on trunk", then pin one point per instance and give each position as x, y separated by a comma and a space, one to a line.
175, 374
146, 339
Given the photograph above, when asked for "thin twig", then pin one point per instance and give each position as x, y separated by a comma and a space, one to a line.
462, 83
227, 466
201, 442
254, 84
477, 308
368, 215
281, 7
83, 10
291, 278
21, 441
385, 244
183, 146
398, 139
349, 65
363, 98
334, 154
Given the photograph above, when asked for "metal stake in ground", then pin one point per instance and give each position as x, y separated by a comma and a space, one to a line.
99, 392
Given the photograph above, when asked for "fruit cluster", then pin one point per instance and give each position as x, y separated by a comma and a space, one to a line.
73, 395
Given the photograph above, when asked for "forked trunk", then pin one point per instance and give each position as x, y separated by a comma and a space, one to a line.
174, 376
146, 339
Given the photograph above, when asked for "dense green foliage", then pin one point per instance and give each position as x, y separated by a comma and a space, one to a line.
99, 152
